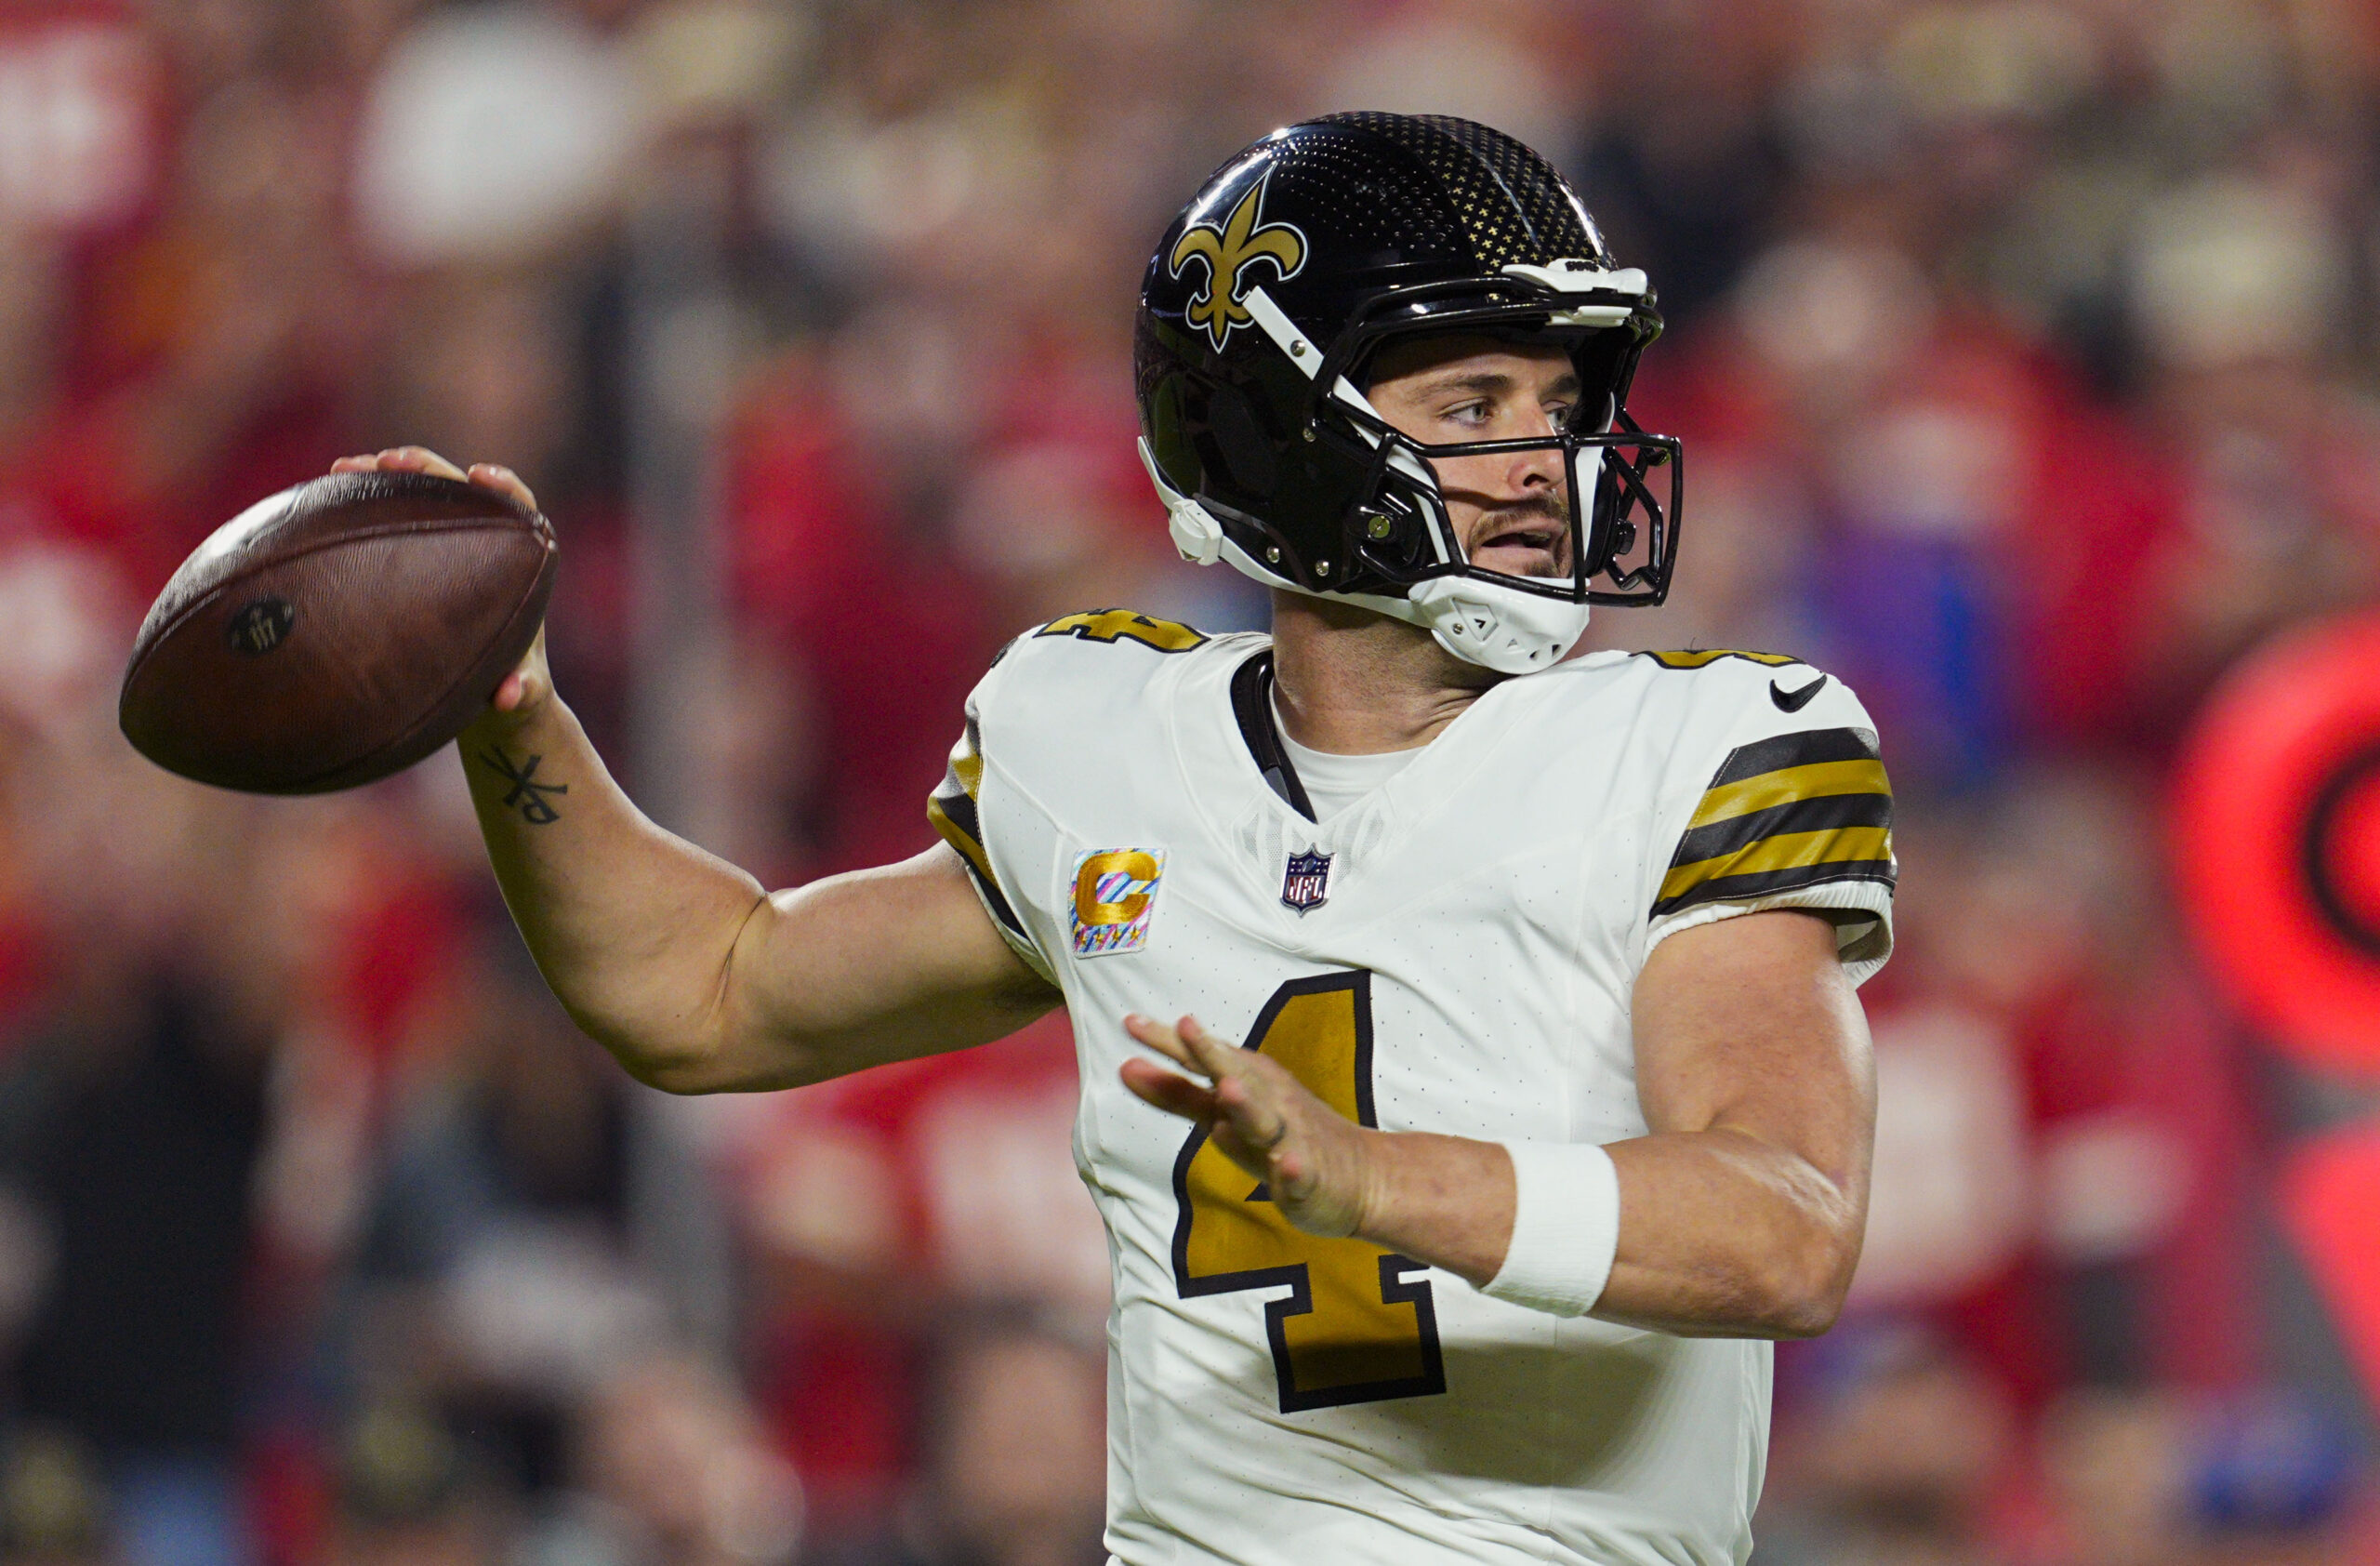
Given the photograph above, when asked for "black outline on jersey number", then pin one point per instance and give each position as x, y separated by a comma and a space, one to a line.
1393, 1288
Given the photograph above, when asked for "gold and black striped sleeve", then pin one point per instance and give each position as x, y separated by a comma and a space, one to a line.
955, 811
1798, 810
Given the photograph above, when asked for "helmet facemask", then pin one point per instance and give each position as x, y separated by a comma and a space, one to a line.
1620, 493
1620, 486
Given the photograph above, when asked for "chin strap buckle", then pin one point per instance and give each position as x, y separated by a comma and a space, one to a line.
1196, 534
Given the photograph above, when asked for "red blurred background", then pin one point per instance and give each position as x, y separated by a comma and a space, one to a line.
2026, 355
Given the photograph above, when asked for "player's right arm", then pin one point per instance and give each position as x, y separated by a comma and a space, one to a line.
680, 965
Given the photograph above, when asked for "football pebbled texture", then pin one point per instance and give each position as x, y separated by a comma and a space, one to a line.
337, 632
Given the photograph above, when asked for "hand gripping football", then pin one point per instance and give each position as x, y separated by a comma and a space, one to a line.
337, 632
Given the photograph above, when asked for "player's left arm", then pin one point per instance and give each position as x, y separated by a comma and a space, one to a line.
1740, 1215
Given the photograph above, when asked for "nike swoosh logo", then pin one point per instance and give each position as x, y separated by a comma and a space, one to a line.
1793, 701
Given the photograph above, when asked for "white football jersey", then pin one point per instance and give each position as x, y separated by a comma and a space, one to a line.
1454, 953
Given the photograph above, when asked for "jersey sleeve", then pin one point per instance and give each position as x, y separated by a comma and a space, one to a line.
1770, 809
956, 809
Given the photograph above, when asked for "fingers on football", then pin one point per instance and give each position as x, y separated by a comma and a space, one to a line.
495, 476
417, 459
421, 459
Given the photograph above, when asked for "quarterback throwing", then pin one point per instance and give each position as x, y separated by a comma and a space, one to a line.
1474, 1079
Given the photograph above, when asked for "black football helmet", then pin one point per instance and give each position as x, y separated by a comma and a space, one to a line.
1261, 313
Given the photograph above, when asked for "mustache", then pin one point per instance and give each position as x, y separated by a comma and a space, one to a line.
1550, 511
1554, 509
1538, 511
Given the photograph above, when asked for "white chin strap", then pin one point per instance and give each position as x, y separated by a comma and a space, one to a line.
1487, 623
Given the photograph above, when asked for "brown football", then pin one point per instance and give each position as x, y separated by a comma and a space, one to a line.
337, 632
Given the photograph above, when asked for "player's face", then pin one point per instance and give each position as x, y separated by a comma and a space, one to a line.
1512, 510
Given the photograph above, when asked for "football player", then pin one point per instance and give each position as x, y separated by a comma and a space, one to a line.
1473, 1078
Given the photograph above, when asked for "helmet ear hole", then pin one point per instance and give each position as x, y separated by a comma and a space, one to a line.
1241, 443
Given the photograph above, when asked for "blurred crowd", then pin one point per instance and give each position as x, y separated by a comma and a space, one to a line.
2026, 356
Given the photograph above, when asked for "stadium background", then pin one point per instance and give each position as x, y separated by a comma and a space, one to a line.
2025, 355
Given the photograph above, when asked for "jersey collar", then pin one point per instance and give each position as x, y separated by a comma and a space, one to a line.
1251, 708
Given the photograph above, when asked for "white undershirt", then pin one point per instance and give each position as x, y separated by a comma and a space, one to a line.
1334, 782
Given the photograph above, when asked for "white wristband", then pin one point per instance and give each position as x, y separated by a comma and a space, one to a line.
1566, 1227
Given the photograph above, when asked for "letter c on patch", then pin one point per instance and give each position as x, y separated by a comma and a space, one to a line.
1140, 870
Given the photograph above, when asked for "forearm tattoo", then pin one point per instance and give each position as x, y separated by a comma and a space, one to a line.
528, 795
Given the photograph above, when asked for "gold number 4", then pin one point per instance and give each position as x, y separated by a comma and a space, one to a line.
1353, 1330
1106, 625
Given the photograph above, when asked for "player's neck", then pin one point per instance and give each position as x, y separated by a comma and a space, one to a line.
1355, 683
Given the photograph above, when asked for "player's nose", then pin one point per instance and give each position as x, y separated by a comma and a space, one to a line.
1533, 472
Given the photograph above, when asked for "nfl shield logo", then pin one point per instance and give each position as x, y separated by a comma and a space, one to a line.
1307, 885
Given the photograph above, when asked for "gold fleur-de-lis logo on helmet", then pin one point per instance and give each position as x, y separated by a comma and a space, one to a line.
1244, 240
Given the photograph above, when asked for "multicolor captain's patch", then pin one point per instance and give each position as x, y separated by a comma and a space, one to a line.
1798, 810
1115, 897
